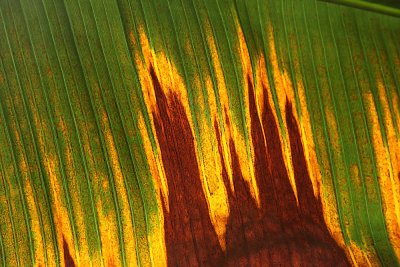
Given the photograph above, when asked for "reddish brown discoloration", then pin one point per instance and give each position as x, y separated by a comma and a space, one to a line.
278, 233
68, 260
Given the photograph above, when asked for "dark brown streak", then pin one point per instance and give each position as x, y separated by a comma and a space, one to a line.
68, 260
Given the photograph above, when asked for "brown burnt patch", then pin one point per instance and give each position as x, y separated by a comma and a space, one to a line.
279, 232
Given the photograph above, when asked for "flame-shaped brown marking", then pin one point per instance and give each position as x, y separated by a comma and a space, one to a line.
68, 260
190, 236
278, 232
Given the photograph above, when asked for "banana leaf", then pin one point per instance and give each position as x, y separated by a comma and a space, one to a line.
199, 133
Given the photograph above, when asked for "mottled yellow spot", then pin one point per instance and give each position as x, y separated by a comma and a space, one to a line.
155, 163
132, 38
328, 196
156, 239
156, 235
29, 196
396, 109
308, 140
129, 239
244, 53
355, 175
107, 222
7, 232
361, 257
61, 218
58, 194
109, 235
82, 256
387, 161
33, 212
